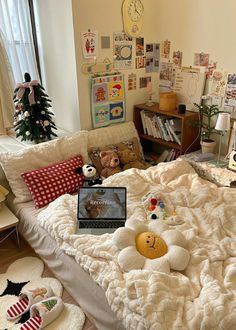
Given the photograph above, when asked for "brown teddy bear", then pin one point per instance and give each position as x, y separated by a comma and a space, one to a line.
110, 163
129, 159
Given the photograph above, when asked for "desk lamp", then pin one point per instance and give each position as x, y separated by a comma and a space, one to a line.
222, 125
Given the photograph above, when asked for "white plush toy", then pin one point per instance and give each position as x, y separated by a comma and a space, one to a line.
151, 246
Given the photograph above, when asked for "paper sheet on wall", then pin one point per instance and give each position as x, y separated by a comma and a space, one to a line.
123, 47
189, 87
230, 95
107, 100
89, 41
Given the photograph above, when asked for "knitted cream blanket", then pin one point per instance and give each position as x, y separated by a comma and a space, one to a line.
201, 297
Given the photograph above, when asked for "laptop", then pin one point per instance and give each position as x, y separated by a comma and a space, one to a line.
101, 209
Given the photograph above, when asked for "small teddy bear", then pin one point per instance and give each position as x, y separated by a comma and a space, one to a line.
129, 159
110, 163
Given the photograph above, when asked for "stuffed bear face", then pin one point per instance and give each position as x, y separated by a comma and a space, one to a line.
127, 156
109, 159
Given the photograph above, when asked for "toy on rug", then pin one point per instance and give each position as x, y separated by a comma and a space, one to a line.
156, 209
151, 246
129, 159
110, 163
90, 174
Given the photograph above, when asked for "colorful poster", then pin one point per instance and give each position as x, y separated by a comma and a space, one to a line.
140, 62
89, 42
166, 74
132, 81
123, 46
107, 100
152, 57
210, 69
143, 81
139, 46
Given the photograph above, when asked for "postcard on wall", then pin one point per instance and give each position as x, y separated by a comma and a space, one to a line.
152, 57
139, 46
230, 95
201, 59
210, 68
177, 59
143, 81
166, 74
165, 49
132, 81
89, 42
140, 62
217, 85
107, 100
189, 88
123, 46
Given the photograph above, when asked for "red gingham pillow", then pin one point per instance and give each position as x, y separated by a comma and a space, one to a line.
50, 182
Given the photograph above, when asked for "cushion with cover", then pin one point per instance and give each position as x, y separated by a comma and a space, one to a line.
48, 183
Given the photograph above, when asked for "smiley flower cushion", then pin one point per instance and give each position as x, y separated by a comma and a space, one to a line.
150, 246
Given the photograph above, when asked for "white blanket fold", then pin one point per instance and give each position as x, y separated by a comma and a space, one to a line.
201, 297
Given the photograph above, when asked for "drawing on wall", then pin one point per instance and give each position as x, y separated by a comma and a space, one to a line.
177, 59
123, 46
89, 42
152, 57
201, 59
189, 88
107, 100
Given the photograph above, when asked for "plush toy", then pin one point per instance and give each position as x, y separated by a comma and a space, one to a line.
110, 163
90, 174
150, 246
129, 159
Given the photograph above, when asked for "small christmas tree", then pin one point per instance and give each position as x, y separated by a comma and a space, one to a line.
32, 119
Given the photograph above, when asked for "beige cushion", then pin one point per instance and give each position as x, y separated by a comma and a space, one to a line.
103, 136
40, 155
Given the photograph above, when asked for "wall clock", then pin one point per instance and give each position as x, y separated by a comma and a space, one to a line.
133, 12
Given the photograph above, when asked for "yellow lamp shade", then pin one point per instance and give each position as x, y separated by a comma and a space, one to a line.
150, 245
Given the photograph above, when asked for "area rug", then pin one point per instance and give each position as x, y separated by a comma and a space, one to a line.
27, 273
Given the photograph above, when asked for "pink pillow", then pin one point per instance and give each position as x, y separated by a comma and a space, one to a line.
50, 182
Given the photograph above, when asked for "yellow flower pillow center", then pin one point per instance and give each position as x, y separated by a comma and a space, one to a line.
150, 245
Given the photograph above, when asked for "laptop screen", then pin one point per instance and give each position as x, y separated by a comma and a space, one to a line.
106, 203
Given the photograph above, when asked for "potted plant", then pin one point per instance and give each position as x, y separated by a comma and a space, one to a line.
207, 125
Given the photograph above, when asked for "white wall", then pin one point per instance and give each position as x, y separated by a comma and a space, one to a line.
58, 61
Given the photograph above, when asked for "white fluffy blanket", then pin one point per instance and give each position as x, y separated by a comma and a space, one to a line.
201, 297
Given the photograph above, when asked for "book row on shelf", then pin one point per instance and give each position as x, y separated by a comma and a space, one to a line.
161, 126
167, 155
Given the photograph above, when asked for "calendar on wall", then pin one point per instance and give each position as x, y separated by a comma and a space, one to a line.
107, 100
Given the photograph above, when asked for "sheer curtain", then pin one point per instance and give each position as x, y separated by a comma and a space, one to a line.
17, 34
6, 88
15, 39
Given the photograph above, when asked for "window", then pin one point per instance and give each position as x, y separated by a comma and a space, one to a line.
15, 26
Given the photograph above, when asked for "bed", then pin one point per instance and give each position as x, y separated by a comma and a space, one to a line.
203, 296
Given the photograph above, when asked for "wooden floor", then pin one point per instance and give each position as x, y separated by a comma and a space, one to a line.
12, 253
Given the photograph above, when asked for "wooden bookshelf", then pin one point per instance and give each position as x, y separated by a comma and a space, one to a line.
189, 135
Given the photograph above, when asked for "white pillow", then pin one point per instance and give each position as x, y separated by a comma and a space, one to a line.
41, 155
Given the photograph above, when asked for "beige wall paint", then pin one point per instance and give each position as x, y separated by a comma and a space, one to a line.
58, 60
191, 26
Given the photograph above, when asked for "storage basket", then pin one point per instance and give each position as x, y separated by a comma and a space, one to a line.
168, 101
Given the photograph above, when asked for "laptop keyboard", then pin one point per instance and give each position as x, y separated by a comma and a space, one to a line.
101, 224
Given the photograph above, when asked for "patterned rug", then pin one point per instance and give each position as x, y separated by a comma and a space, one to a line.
26, 273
